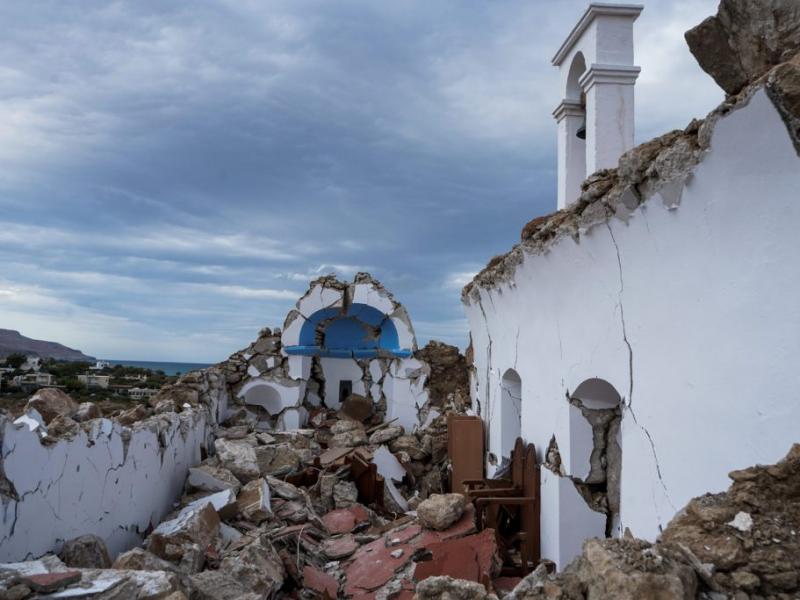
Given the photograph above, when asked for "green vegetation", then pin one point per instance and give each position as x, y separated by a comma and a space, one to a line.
15, 361
66, 375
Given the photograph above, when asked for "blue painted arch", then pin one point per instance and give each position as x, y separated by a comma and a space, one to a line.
362, 331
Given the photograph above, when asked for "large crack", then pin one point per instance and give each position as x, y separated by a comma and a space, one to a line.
629, 404
488, 361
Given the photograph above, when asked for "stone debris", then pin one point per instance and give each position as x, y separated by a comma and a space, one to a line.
742, 543
745, 39
85, 552
51, 403
441, 510
443, 587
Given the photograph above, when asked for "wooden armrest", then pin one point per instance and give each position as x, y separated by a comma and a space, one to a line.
496, 492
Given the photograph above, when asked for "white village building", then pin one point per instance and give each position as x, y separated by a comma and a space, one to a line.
645, 337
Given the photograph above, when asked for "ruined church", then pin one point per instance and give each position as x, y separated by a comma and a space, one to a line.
632, 353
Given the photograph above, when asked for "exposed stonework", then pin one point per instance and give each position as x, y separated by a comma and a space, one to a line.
743, 543
745, 39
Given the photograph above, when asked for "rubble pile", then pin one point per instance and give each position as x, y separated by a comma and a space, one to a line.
743, 543
285, 513
274, 510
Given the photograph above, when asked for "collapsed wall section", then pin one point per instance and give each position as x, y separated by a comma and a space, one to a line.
341, 341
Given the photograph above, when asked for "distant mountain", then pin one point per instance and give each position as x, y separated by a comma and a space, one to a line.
12, 342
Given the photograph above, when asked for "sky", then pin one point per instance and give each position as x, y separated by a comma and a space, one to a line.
173, 174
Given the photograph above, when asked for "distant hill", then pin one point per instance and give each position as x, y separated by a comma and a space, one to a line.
12, 342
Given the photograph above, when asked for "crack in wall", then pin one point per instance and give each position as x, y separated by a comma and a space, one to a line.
629, 404
488, 361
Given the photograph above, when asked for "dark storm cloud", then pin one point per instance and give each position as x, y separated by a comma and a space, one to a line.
171, 175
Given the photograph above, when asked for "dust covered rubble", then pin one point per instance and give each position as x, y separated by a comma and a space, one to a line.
736, 545
271, 512
279, 515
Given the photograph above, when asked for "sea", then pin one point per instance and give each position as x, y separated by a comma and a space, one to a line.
169, 368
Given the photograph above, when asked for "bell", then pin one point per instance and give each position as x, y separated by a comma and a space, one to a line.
581, 133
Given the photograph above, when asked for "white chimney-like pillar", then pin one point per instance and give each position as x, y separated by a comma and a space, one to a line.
597, 79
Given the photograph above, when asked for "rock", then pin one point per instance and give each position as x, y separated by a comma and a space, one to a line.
410, 445
133, 415
277, 460
339, 547
50, 403
440, 511
224, 503
85, 552
345, 494
282, 489
356, 407
165, 406
219, 585
632, 569
209, 478
742, 521
138, 559
387, 434
254, 502
326, 484
257, 567
448, 380
87, 411
347, 434
62, 426
345, 425
17, 592
745, 39
447, 588
179, 539
239, 458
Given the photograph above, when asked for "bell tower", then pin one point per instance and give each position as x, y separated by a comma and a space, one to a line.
595, 117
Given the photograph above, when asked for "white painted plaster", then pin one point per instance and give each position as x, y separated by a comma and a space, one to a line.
292, 328
596, 62
371, 295
336, 370
320, 297
293, 418
711, 299
272, 395
299, 367
95, 482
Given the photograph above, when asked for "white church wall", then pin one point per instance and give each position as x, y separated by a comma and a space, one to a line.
111, 481
690, 314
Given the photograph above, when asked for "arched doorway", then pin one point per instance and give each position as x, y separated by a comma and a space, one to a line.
510, 411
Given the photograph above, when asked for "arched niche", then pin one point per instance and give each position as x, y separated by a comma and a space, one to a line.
510, 410
265, 396
597, 394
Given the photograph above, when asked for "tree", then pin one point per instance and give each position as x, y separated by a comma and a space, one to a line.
16, 360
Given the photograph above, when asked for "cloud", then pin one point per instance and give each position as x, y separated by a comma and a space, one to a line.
170, 171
